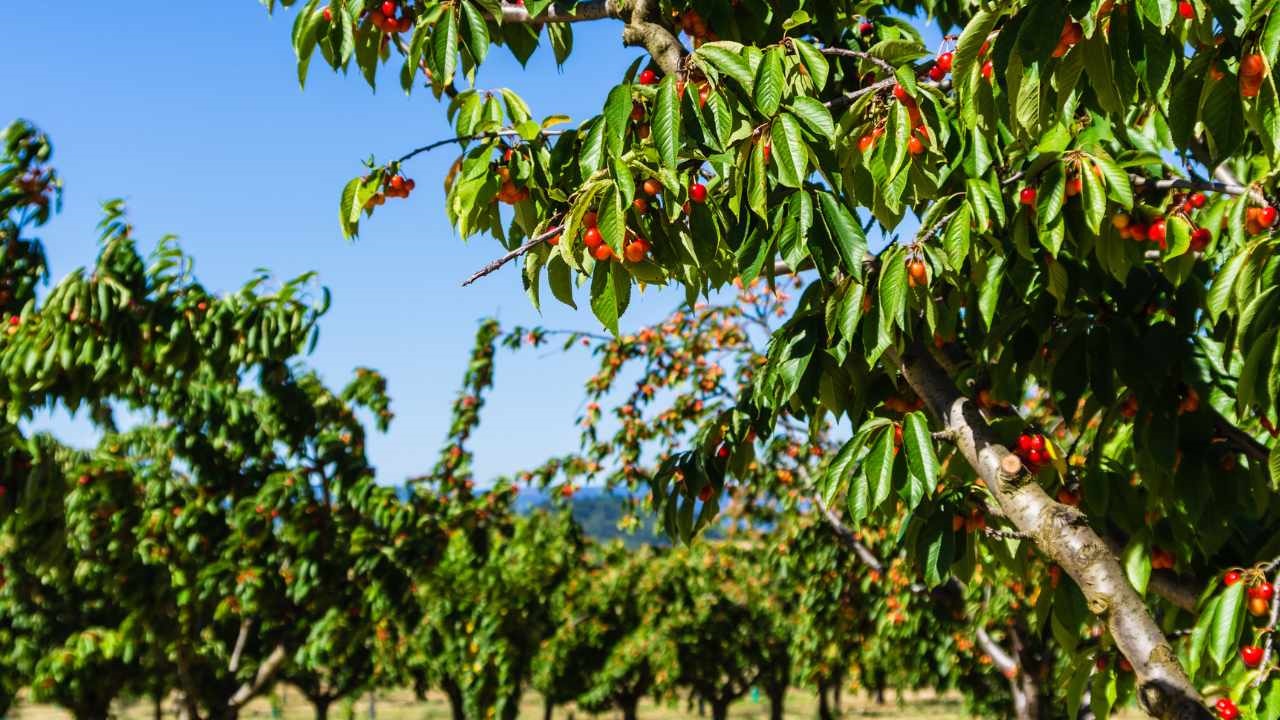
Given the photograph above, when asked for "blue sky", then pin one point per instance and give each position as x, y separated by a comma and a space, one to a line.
193, 114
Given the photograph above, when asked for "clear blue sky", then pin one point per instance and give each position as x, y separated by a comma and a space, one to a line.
193, 114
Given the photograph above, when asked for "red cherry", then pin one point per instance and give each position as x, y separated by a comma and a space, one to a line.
1156, 231
1025, 443
15, 320
1223, 703
592, 238
866, 28
1262, 591
1251, 655
603, 253
1199, 200
328, 14
1037, 442
589, 219
944, 61
648, 77
85, 480
936, 73
635, 251
987, 68
397, 183
1231, 577
1035, 457
722, 452
705, 493
698, 192
1186, 10
901, 93
1200, 238
389, 9
1027, 196
1267, 216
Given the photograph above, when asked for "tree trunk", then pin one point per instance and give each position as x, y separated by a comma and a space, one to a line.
157, 707
777, 702
837, 692
456, 702
879, 687
629, 706
321, 706
547, 708
719, 709
824, 710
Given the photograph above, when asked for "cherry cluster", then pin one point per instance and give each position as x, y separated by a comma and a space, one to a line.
1031, 450
1227, 710
393, 186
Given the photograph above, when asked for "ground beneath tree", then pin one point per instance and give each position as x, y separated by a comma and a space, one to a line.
402, 705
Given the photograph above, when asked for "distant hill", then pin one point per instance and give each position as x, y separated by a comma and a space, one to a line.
599, 512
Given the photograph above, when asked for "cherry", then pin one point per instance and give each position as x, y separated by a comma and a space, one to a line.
944, 61
1124, 665
1252, 70
918, 271
1037, 442
635, 251
1027, 196
1035, 457
1074, 186
396, 183
327, 14
648, 77
637, 112
936, 73
1258, 607
866, 142
592, 238
1251, 655
389, 9
1264, 591
901, 94
987, 68
652, 186
589, 218
1268, 216
1200, 238
705, 493
602, 253
866, 27
1156, 231
1198, 200
1120, 221
1186, 10
554, 240
1227, 710
722, 452
85, 480
698, 192
1070, 497
1025, 443
567, 491
15, 321
914, 146
1162, 559
641, 205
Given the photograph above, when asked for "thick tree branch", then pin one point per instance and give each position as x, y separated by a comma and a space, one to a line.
1062, 534
646, 28
1241, 440
266, 671
493, 266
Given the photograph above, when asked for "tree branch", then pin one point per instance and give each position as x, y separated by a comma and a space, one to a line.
266, 671
468, 138
1000, 657
1268, 647
1243, 441
241, 639
1062, 534
645, 28
864, 553
493, 266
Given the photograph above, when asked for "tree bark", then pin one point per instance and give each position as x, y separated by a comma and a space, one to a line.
824, 710
719, 709
777, 703
630, 707
548, 708
321, 706
1062, 533
456, 702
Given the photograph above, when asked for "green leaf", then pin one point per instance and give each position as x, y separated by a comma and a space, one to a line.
560, 277
815, 116
879, 465
1228, 619
666, 123
1221, 289
1094, 198
966, 66
846, 232
790, 153
893, 291
769, 82
956, 237
348, 211
610, 293
477, 32
1119, 187
727, 59
1137, 562
1097, 65
444, 48
990, 289
617, 117
814, 62
918, 441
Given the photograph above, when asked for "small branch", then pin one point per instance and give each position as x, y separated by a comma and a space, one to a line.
1268, 647
947, 436
496, 264
859, 54
1140, 181
234, 666
1243, 441
468, 138
580, 12
846, 100
864, 553
1005, 534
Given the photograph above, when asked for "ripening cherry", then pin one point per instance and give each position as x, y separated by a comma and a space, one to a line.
1251, 655
648, 77
866, 142
901, 95
1263, 591
603, 253
1027, 196
988, 68
1186, 10
589, 218
698, 193
592, 238
84, 480
1156, 231
1252, 70
635, 251
1120, 221
328, 14
652, 186
1074, 186
1231, 577
1267, 217
936, 73
918, 271
641, 205
915, 146
944, 61
389, 9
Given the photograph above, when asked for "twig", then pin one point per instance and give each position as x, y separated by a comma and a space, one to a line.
1268, 647
580, 12
1140, 181
864, 553
1243, 441
468, 138
861, 55
846, 100
234, 666
493, 266
999, 656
